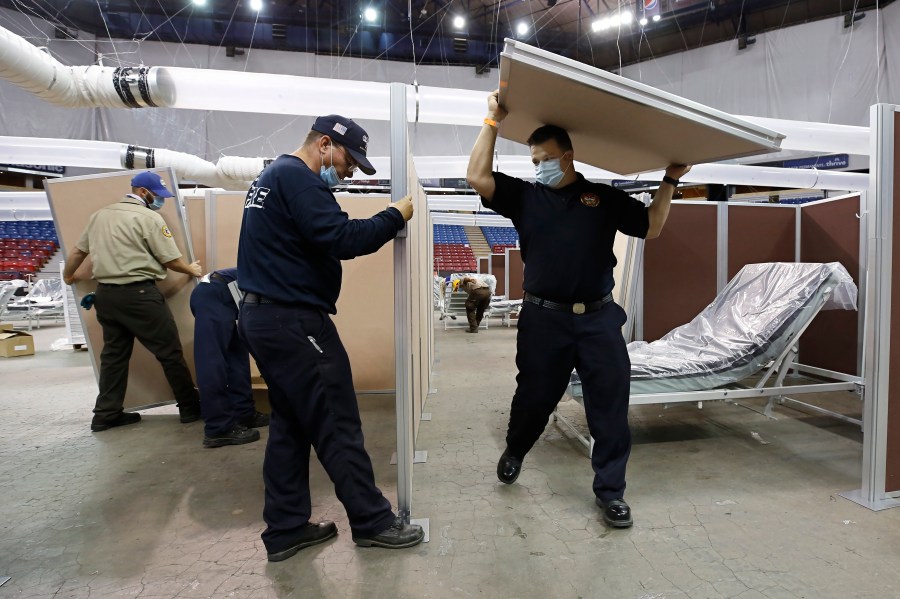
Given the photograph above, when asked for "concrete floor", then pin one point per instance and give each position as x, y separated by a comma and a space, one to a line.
726, 502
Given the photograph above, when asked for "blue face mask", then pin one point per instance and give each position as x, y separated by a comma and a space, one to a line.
549, 172
157, 203
329, 175
153, 201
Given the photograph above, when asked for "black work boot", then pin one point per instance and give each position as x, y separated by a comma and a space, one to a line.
122, 419
616, 512
238, 435
508, 468
255, 420
311, 534
189, 412
397, 536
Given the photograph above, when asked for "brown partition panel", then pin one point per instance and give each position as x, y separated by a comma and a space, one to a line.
365, 309
483, 265
498, 269
421, 268
892, 462
515, 274
224, 212
680, 269
760, 233
365, 318
829, 232
195, 209
72, 201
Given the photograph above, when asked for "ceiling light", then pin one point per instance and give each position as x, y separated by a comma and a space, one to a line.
656, 18
601, 24
370, 14
459, 22
522, 28
643, 21
625, 17
256, 5
200, 2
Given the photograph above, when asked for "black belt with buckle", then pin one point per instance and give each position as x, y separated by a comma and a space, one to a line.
576, 308
132, 284
253, 298
214, 276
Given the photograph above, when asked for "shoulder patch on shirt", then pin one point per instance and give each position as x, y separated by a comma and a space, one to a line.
166, 231
591, 200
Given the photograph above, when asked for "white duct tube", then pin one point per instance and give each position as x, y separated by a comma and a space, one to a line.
82, 86
236, 172
112, 155
817, 137
241, 169
767, 176
63, 152
205, 89
429, 167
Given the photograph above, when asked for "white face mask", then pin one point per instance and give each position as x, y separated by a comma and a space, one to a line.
549, 172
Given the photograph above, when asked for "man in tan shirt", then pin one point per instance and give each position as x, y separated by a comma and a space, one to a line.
131, 248
478, 301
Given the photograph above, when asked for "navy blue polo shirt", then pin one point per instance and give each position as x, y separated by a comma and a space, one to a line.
567, 235
294, 236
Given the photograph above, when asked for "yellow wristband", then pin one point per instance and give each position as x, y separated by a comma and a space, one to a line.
491, 122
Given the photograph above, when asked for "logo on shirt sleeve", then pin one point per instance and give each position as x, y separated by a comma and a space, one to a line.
166, 231
256, 197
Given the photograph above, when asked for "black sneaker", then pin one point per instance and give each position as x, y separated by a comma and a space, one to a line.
255, 420
397, 536
236, 436
189, 412
311, 534
122, 419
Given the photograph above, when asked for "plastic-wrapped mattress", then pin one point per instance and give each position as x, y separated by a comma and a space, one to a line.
761, 310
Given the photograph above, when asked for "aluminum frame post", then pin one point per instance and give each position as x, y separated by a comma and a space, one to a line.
402, 327
879, 212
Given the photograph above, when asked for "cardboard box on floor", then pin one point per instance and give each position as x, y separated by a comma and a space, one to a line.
15, 343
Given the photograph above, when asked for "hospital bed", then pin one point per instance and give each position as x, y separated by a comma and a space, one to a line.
504, 309
44, 300
753, 326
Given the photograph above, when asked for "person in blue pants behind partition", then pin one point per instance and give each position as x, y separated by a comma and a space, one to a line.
222, 362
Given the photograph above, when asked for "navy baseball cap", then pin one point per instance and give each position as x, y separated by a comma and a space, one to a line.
350, 135
153, 182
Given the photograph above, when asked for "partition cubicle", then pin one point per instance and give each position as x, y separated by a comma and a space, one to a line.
209, 221
704, 244
364, 318
72, 201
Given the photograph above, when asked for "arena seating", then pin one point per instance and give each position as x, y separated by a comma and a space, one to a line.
25, 247
452, 252
500, 238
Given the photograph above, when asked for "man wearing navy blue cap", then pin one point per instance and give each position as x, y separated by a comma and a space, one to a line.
131, 248
293, 238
